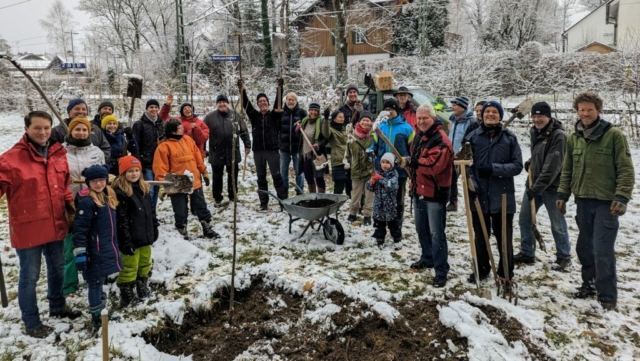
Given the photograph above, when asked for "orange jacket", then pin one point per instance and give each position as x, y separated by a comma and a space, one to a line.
177, 156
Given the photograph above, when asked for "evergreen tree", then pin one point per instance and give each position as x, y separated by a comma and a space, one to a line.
420, 27
266, 37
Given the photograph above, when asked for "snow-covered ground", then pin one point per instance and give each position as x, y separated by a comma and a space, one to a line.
192, 271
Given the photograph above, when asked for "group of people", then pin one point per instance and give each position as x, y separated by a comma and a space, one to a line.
61, 205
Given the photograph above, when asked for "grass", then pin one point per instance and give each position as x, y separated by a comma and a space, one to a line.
8, 355
558, 339
255, 256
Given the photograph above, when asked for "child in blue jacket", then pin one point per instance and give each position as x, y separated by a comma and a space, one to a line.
95, 237
384, 184
118, 138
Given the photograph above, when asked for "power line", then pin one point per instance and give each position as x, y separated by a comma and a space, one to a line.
8, 6
35, 37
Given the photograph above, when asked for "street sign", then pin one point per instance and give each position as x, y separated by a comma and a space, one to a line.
219, 58
70, 65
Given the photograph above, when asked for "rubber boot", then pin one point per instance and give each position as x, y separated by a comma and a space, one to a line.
312, 188
127, 295
142, 286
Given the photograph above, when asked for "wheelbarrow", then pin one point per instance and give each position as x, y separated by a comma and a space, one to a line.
315, 207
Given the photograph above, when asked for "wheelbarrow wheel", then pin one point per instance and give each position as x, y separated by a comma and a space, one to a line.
333, 231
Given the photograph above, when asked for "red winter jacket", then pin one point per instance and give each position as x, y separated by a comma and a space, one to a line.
199, 133
432, 164
409, 114
36, 189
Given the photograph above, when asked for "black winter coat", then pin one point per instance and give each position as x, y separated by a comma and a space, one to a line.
136, 216
290, 140
147, 133
547, 155
265, 128
221, 137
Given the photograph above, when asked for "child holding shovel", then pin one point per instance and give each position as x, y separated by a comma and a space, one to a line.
384, 183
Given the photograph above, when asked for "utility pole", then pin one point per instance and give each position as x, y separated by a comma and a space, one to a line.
73, 58
182, 66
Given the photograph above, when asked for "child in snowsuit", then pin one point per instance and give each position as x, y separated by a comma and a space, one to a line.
116, 138
137, 229
384, 183
94, 236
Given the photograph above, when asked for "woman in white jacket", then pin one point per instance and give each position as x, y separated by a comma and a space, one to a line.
81, 154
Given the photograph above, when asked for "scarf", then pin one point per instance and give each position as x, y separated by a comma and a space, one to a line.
175, 136
77, 142
360, 131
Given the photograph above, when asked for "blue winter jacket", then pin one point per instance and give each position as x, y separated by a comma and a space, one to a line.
117, 148
503, 153
386, 191
400, 134
459, 128
94, 229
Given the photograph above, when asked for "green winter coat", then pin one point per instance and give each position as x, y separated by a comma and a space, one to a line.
338, 140
597, 167
361, 164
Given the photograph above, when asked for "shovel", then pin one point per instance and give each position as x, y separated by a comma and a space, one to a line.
134, 91
534, 227
320, 161
3, 289
172, 183
520, 111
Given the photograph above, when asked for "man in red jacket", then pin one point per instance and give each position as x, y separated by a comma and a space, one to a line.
34, 175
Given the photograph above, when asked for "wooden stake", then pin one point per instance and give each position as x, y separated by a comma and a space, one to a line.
105, 335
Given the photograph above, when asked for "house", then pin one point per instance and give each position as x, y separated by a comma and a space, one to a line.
368, 32
613, 25
61, 69
34, 64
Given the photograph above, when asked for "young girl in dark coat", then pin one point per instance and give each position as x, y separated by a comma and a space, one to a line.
384, 184
137, 229
94, 236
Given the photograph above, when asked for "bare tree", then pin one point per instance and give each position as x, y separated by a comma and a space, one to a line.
59, 25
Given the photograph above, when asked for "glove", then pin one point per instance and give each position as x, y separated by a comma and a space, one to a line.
358, 107
485, 170
374, 178
531, 194
562, 206
407, 161
526, 165
127, 248
297, 127
401, 162
618, 208
280, 82
128, 132
207, 181
81, 260
70, 211
327, 112
315, 147
240, 83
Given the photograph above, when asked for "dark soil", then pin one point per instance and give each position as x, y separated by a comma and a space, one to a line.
416, 335
315, 203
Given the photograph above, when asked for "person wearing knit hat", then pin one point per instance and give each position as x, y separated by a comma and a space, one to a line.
75, 102
391, 104
126, 162
541, 108
186, 109
75, 122
365, 114
362, 166
105, 108
262, 95
222, 98
151, 102
498, 111
461, 101
109, 119
118, 139
96, 171
314, 105
352, 105
460, 120
384, 184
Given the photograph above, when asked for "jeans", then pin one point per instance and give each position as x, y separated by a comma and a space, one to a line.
402, 192
493, 221
558, 225
30, 262
285, 159
270, 158
216, 181
179, 203
595, 247
147, 174
96, 304
431, 220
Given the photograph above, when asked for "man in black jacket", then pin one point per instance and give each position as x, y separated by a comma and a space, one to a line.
265, 131
147, 131
352, 106
221, 124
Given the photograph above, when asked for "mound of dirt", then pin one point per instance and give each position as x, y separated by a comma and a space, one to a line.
315, 203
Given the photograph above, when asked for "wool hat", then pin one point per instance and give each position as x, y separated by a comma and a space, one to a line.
107, 119
403, 90
262, 95
388, 157
391, 103
151, 102
461, 101
96, 171
75, 121
314, 105
171, 126
351, 86
222, 98
335, 113
183, 105
127, 162
73, 102
495, 104
541, 108
365, 114
106, 103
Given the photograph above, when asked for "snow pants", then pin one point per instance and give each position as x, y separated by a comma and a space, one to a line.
136, 266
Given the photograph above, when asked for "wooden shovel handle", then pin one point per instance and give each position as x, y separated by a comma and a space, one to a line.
306, 139
389, 144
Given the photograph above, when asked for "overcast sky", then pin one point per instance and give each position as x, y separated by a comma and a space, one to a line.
20, 23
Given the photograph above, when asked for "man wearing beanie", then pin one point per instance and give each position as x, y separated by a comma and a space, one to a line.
221, 129
460, 120
77, 108
548, 142
401, 135
407, 110
265, 132
104, 108
147, 131
193, 126
598, 170
352, 105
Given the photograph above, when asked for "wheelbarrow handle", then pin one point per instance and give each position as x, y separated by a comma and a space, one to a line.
271, 194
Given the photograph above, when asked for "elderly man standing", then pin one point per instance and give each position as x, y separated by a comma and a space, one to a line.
598, 170
408, 111
431, 164
221, 123
548, 142
34, 175
461, 119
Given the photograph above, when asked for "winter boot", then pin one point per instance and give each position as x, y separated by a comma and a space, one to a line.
65, 312
142, 286
367, 221
523, 258
127, 295
183, 231
397, 244
351, 218
380, 242
207, 230
41, 332
312, 188
96, 322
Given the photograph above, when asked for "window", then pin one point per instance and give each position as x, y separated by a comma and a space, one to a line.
359, 36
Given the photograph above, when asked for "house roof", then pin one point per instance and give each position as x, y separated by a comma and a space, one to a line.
586, 16
32, 61
596, 43
312, 5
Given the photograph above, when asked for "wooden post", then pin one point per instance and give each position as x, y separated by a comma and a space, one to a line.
105, 334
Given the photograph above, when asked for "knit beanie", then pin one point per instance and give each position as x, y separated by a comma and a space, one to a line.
127, 162
461, 101
222, 98
183, 105
314, 105
107, 119
351, 86
495, 104
106, 103
96, 171
262, 95
75, 121
392, 103
365, 114
388, 157
334, 115
73, 102
151, 102
541, 108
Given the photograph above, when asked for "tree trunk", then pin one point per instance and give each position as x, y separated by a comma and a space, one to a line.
266, 37
340, 40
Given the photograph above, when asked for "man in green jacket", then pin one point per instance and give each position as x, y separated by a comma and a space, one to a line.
598, 170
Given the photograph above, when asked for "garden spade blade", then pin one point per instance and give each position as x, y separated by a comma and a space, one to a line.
520, 111
177, 183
